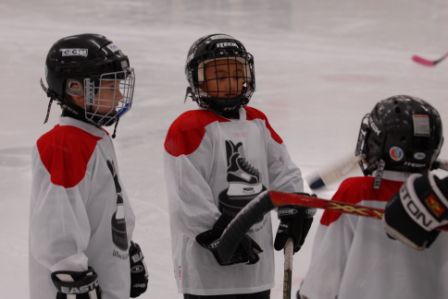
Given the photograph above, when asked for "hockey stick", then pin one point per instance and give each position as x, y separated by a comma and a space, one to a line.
287, 268
427, 62
226, 245
339, 170
282, 199
333, 173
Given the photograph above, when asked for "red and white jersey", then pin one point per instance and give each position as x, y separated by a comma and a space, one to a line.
80, 214
353, 258
213, 163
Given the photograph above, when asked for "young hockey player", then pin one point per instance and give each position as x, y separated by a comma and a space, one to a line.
217, 159
352, 256
81, 222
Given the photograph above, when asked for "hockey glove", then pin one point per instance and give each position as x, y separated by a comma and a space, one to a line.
295, 222
139, 274
413, 214
246, 252
76, 285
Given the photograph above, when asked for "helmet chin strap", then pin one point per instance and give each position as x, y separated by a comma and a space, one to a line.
379, 174
47, 116
52, 97
114, 134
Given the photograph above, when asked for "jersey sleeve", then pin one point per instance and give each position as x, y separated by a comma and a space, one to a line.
190, 197
59, 225
331, 248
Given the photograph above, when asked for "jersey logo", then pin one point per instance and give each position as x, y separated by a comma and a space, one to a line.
118, 221
434, 204
243, 181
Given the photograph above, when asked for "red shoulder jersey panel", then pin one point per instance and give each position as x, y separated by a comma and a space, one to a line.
65, 152
356, 189
186, 132
253, 113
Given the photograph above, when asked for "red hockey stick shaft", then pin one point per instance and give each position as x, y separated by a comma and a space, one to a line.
283, 199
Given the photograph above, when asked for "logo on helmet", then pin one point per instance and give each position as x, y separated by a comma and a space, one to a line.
113, 47
396, 153
375, 128
419, 156
74, 52
226, 45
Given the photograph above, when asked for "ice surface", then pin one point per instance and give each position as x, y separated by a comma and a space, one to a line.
320, 66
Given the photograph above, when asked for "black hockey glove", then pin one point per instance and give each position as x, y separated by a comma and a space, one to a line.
79, 285
139, 274
420, 207
246, 252
295, 222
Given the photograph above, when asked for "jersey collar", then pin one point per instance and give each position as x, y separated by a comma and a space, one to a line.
398, 176
70, 121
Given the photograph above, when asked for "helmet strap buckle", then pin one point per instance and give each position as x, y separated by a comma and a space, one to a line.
379, 174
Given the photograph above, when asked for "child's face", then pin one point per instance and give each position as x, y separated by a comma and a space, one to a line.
224, 78
109, 96
106, 99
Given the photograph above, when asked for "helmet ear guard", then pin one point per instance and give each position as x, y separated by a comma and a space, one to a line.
74, 88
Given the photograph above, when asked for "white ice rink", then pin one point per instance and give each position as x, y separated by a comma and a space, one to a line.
320, 66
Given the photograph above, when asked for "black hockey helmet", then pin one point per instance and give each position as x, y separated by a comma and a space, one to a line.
90, 60
215, 47
402, 133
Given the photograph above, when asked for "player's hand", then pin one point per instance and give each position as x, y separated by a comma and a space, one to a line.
413, 215
295, 222
247, 251
139, 273
76, 285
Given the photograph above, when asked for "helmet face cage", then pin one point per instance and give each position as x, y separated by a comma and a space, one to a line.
405, 132
368, 148
108, 97
220, 73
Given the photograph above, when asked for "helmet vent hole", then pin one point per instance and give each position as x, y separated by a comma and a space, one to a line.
397, 110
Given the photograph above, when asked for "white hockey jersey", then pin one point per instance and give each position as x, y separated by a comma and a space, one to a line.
80, 213
213, 163
353, 258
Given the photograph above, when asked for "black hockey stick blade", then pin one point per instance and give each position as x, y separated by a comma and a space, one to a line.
240, 225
